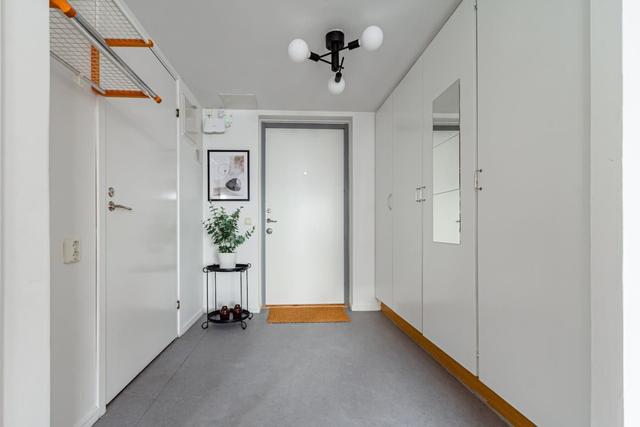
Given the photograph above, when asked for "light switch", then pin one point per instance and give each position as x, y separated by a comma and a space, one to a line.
248, 221
71, 251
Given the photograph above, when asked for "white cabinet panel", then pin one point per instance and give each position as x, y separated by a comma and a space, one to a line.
384, 189
533, 79
407, 176
449, 267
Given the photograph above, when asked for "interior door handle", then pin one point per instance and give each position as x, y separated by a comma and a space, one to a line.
113, 206
269, 220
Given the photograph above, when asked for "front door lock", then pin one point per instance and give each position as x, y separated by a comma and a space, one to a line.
269, 230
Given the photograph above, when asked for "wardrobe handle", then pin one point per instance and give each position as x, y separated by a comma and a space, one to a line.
419, 196
389, 201
422, 198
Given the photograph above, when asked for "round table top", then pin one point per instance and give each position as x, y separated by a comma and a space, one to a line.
216, 268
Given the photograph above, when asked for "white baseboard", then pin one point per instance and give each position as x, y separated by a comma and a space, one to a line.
91, 418
371, 306
184, 328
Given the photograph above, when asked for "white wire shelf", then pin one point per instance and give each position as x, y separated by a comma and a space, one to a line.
82, 34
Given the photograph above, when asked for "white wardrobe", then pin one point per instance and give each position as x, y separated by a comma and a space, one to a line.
482, 216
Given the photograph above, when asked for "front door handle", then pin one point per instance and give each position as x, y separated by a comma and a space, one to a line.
113, 206
269, 220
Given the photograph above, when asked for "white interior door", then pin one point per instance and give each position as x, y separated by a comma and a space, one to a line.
449, 159
141, 243
304, 193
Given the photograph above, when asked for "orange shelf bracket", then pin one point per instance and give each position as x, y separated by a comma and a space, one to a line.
129, 42
113, 93
95, 66
64, 7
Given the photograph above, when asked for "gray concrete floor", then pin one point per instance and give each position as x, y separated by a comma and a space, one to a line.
363, 373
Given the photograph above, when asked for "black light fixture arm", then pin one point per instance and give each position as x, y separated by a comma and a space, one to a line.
352, 45
335, 43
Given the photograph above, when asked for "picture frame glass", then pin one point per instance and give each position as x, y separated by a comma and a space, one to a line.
228, 175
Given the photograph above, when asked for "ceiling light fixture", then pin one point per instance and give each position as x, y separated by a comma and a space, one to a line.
371, 39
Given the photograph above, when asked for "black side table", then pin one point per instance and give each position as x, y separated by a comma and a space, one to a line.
214, 316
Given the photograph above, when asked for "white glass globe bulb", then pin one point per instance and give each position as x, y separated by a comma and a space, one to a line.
372, 37
298, 50
336, 88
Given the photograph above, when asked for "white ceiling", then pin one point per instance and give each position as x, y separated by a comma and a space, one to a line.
240, 47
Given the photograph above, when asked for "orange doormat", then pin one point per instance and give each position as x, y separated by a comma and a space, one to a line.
308, 314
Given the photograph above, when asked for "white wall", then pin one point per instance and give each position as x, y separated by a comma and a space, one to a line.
606, 214
245, 134
73, 140
25, 214
189, 218
631, 213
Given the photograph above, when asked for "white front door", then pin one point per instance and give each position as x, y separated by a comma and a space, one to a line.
305, 227
141, 243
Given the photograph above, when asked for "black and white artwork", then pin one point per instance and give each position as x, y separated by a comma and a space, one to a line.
228, 175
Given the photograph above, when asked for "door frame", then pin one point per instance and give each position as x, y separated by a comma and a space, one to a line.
264, 125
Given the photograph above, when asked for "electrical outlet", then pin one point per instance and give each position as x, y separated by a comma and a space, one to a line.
71, 251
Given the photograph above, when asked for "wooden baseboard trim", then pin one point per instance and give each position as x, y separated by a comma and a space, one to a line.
501, 406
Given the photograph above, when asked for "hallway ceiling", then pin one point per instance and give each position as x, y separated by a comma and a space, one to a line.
240, 47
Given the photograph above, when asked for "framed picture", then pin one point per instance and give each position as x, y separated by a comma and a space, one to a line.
228, 175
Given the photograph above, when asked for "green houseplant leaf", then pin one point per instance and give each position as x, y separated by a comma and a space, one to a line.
222, 229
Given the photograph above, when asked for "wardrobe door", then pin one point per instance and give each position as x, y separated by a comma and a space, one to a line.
407, 229
533, 211
449, 153
384, 189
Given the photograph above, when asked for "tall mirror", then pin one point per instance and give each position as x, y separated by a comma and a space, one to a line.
446, 166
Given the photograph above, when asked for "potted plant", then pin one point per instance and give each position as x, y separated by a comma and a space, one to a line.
222, 228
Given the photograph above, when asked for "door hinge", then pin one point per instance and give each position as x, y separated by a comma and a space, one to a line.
477, 180
177, 112
178, 305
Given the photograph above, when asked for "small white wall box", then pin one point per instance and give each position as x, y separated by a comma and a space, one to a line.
71, 251
215, 121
